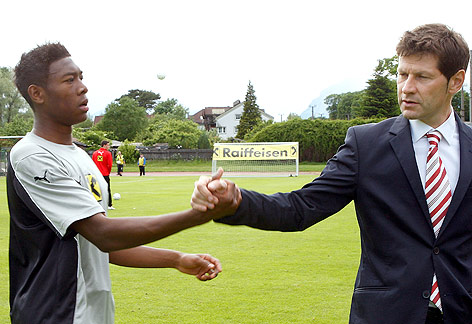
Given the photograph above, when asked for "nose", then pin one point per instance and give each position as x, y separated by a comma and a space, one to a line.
82, 88
408, 84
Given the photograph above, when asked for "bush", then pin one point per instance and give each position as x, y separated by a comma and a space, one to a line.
129, 151
318, 139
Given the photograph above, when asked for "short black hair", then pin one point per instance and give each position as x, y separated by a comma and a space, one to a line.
105, 142
33, 67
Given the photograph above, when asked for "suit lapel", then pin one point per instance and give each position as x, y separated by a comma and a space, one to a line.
465, 174
403, 147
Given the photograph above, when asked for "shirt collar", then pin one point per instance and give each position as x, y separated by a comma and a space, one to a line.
447, 129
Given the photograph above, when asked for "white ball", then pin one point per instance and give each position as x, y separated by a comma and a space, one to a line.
116, 196
161, 76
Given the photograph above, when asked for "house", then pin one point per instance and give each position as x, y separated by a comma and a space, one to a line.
206, 117
227, 123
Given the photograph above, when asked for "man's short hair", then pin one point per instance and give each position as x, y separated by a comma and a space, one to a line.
33, 67
447, 45
105, 142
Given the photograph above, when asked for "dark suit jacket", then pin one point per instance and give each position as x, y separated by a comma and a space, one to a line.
376, 168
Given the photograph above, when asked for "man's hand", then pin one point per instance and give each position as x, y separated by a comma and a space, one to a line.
203, 266
217, 196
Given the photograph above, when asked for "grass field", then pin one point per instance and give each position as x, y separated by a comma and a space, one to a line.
268, 277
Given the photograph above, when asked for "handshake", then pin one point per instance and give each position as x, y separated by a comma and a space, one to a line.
215, 196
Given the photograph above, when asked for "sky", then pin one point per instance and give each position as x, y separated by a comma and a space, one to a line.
291, 51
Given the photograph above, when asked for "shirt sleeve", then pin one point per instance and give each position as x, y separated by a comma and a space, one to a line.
62, 198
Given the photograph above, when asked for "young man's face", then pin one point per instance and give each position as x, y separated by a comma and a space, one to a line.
66, 100
423, 89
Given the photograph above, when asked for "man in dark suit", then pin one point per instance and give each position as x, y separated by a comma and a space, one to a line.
415, 226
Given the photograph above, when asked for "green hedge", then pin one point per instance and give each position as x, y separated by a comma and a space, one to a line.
318, 139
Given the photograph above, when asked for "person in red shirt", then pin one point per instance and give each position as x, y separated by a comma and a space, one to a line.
104, 161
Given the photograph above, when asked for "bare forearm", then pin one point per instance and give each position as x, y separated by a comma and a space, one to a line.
112, 234
145, 257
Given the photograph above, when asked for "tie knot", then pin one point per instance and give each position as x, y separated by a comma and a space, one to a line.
434, 137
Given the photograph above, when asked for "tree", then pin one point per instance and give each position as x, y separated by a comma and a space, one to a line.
456, 103
171, 109
129, 151
19, 126
176, 133
11, 101
91, 137
144, 98
251, 115
293, 116
380, 97
344, 105
125, 119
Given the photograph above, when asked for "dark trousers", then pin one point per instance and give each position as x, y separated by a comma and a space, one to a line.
434, 316
141, 170
107, 179
120, 168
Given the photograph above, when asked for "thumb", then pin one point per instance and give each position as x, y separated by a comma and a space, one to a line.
218, 186
218, 174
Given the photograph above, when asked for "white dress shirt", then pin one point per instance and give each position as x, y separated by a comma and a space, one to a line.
448, 148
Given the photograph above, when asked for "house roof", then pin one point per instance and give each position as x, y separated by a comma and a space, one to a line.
239, 105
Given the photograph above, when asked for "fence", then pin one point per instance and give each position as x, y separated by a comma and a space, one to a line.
177, 154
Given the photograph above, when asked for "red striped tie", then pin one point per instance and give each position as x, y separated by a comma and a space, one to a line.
438, 196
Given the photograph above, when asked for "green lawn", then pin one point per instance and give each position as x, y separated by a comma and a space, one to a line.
268, 277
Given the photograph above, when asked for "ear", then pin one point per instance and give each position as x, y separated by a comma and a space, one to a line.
455, 82
37, 94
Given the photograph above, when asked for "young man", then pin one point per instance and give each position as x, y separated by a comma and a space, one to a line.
142, 165
60, 238
104, 161
411, 182
120, 162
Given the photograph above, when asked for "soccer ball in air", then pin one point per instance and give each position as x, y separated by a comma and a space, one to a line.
116, 196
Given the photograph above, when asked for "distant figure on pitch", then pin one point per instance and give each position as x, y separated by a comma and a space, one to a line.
120, 162
104, 161
142, 165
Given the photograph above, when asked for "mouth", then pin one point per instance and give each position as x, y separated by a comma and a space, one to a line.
409, 102
84, 105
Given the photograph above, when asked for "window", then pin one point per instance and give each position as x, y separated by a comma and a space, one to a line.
237, 116
235, 129
221, 130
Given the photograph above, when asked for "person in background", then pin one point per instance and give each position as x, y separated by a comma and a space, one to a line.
61, 240
120, 163
104, 161
142, 165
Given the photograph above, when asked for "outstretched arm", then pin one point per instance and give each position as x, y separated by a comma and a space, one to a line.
202, 266
112, 234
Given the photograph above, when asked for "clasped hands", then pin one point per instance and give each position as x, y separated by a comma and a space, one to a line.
215, 196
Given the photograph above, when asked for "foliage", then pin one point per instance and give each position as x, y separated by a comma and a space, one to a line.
144, 98
456, 103
88, 123
260, 126
293, 116
19, 126
171, 109
343, 106
125, 119
251, 115
380, 99
11, 101
176, 133
129, 151
318, 139
91, 137
380, 96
